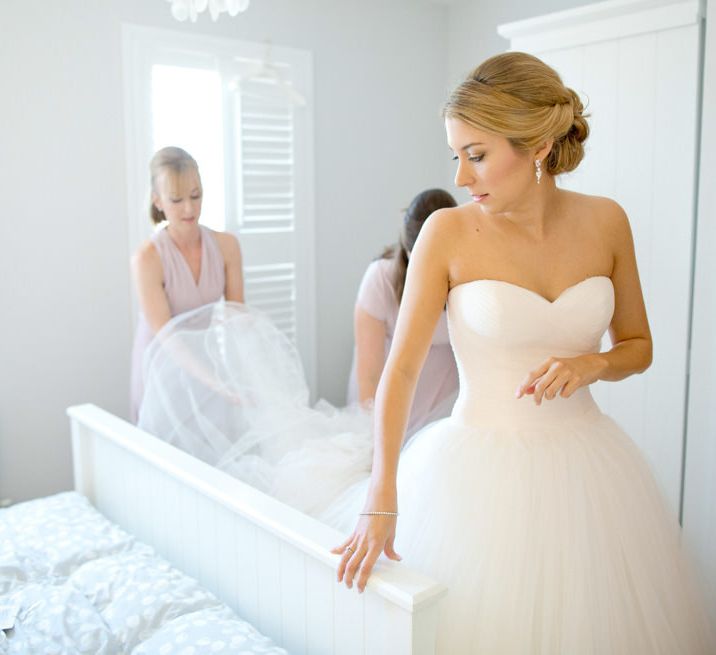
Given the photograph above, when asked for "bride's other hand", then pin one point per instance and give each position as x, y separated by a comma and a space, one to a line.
561, 375
372, 536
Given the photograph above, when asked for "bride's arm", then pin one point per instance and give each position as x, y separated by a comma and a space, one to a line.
426, 289
631, 350
629, 330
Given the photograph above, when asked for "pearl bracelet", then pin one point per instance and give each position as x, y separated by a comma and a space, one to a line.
378, 514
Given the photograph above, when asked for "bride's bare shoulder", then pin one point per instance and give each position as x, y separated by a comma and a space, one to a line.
451, 223
601, 212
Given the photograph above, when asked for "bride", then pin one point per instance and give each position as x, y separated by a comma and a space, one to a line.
535, 510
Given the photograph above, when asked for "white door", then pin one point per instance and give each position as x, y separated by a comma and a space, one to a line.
636, 67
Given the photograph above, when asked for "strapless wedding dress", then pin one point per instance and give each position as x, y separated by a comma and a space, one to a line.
544, 522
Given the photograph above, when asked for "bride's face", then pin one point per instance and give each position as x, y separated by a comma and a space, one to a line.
498, 177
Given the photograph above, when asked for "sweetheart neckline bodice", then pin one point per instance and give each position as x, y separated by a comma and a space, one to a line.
531, 291
500, 331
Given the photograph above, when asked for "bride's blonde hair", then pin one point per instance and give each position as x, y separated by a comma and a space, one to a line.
518, 96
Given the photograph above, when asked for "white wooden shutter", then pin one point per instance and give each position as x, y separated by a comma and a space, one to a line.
272, 289
266, 158
265, 202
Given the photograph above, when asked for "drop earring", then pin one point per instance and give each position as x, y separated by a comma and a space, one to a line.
538, 170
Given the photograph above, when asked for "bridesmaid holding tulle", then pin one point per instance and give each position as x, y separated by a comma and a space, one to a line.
184, 265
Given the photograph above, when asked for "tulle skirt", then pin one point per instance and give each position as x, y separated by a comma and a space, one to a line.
550, 541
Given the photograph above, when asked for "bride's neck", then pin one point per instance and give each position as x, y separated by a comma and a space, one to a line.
536, 212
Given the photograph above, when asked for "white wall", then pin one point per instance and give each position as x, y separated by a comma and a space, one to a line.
64, 283
699, 516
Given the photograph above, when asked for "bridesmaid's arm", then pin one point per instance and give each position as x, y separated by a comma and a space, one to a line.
233, 266
424, 297
370, 335
149, 282
149, 279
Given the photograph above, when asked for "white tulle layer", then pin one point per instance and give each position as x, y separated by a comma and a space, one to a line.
225, 385
550, 542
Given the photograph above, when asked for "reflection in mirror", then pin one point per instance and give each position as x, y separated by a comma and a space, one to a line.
375, 316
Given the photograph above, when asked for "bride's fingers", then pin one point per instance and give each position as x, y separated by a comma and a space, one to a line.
354, 564
557, 385
338, 550
348, 552
569, 388
557, 374
390, 553
367, 566
531, 379
542, 385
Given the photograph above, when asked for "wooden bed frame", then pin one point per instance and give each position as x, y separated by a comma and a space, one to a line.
264, 559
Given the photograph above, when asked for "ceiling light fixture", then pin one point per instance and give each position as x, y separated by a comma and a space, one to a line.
190, 9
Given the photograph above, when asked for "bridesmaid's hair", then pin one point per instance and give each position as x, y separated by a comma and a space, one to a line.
518, 96
171, 159
424, 204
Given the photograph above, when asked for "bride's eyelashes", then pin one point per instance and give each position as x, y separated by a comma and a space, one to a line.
473, 158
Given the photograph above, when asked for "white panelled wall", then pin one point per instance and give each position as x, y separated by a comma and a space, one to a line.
636, 68
699, 501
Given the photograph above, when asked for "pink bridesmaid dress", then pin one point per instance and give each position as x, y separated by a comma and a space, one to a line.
437, 386
183, 293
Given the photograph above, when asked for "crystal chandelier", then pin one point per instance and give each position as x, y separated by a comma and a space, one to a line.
183, 9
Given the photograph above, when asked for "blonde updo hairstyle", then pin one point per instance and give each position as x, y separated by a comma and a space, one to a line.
169, 159
518, 96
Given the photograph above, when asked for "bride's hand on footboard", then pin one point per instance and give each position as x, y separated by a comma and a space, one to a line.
372, 536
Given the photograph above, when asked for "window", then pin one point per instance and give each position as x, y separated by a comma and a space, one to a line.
243, 110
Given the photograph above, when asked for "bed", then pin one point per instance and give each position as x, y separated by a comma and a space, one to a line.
267, 562
74, 583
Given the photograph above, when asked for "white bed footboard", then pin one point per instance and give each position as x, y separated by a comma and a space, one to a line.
266, 560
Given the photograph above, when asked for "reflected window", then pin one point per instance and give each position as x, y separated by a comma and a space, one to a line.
244, 112
187, 112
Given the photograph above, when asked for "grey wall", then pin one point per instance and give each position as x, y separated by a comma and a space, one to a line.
473, 25
65, 289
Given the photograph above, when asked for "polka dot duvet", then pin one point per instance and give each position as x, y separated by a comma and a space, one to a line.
73, 582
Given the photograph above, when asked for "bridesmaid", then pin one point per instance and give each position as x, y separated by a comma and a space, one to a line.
183, 265
375, 315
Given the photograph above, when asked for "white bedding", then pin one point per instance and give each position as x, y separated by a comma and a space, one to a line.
76, 583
